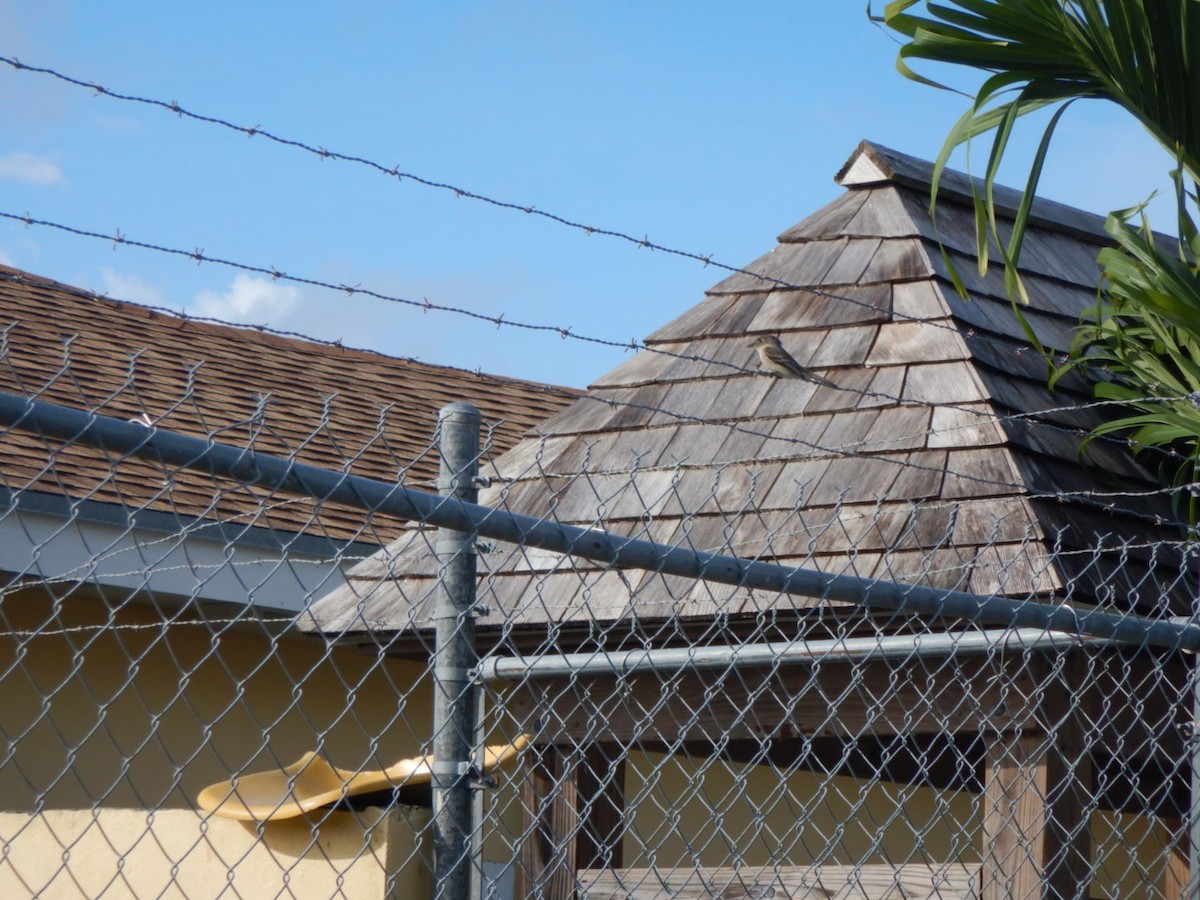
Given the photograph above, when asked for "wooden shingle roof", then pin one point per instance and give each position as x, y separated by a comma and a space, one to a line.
940, 458
351, 410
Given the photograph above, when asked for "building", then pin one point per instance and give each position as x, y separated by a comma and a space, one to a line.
145, 651
937, 457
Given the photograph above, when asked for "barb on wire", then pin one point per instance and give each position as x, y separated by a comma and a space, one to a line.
639, 243
859, 450
563, 332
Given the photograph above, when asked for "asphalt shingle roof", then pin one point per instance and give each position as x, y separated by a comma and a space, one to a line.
325, 405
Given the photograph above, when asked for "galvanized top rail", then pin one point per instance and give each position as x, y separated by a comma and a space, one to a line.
245, 465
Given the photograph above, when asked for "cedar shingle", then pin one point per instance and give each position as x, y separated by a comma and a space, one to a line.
926, 462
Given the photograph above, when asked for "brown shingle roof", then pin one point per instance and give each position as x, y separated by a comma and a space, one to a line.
330, 406
942, 459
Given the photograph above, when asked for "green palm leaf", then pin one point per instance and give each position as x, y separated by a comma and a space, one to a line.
1145, 56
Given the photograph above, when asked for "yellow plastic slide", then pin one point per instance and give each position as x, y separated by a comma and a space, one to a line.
311, 782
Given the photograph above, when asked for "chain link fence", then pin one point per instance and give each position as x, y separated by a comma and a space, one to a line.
233, 666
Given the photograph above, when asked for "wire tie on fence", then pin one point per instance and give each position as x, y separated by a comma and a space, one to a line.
447, 549
467, 771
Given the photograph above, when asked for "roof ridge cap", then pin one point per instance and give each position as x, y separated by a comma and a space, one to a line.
873, 164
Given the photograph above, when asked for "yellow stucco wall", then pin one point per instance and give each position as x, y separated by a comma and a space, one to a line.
174, 853
690, 813
753, 813
111, 715
116, 720
126, 712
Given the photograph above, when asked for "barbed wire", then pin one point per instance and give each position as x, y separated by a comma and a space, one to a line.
1091, 497
1029, 556
1100, 499
323, 153
844, 513
199, 256
120, 239
425, 305
276, 274
1105, 500
161, 626
903, 463
498, 320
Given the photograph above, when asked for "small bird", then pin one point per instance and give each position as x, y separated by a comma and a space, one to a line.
780, 363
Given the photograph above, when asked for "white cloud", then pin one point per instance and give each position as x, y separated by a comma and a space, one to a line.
32, 169
131, 288
6, 258
249, 300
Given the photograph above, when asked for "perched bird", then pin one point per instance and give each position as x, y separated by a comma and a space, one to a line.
780, 363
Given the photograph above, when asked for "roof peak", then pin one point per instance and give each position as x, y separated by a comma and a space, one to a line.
873, 164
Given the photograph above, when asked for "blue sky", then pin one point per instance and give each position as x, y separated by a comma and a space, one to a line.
708, 127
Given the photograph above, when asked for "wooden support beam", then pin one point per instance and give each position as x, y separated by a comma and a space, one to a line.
1037, 842
839, 699
1176, 867
550, 820
739, 703
951, 881
574, 807
1175, 876
601, 791
1037, 799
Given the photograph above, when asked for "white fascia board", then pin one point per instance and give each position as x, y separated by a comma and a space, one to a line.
61, 542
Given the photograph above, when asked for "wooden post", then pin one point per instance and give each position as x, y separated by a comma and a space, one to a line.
548, 801
1175, 869
1037, 782
601, 784
573, 819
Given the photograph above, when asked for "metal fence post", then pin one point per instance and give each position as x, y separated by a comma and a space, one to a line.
1192, 889
454, 700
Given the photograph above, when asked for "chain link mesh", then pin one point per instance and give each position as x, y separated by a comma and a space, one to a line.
217, 686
